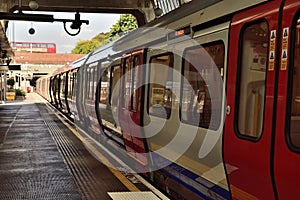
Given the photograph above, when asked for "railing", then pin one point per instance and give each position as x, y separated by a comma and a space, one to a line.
169, 5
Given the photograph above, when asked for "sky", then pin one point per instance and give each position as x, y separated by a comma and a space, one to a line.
54, 32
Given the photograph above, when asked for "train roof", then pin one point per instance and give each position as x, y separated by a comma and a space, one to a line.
73, 65
190, 14
203, 11
106, 52
96, 55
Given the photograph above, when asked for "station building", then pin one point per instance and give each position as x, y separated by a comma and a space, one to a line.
26, 68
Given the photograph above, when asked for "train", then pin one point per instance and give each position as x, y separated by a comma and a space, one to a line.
34, 47
202, 101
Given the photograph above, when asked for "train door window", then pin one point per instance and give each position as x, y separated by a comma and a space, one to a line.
63, 85
252, 78
294, 129
51, 88
113, 90
161, 82
95, 81
88, 82
127, 81
90, 77
70, 83
91, 83
74, 91
135, 74
201, 64
55, 88
104, 90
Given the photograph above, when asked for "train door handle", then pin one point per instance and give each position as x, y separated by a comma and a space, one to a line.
228, 109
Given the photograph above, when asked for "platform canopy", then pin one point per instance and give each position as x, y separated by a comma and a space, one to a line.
144, 10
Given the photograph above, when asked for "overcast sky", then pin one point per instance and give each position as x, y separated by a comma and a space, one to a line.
54, 32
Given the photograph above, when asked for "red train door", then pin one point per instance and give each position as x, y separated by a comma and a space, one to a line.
287, 142
130, 106
250, 100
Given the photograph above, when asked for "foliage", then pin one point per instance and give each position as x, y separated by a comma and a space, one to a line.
20, 92
10, 82
125, 23
101, 37
85, 46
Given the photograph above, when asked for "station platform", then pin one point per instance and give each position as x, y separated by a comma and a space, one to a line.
41, 158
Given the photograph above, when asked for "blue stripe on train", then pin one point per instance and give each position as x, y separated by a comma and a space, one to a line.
192, 181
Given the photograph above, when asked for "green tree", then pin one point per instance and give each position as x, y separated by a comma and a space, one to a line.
85, 46
125, 23
102, 38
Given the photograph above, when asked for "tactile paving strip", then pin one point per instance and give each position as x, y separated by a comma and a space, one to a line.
92, 177
30, 165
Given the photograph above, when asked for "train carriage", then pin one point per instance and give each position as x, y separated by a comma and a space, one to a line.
203, 101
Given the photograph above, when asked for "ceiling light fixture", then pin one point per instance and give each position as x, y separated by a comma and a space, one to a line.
33, 5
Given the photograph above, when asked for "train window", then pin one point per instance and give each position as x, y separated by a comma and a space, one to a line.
294, 132
96, 79
88, 83
252, 77
90, 79
74, 89
105, 80
115, 77
161, 82
127, 74
91, 83
109, 79
55, 89
71, 82
51, 89
62, 85
135, 74
200, 64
